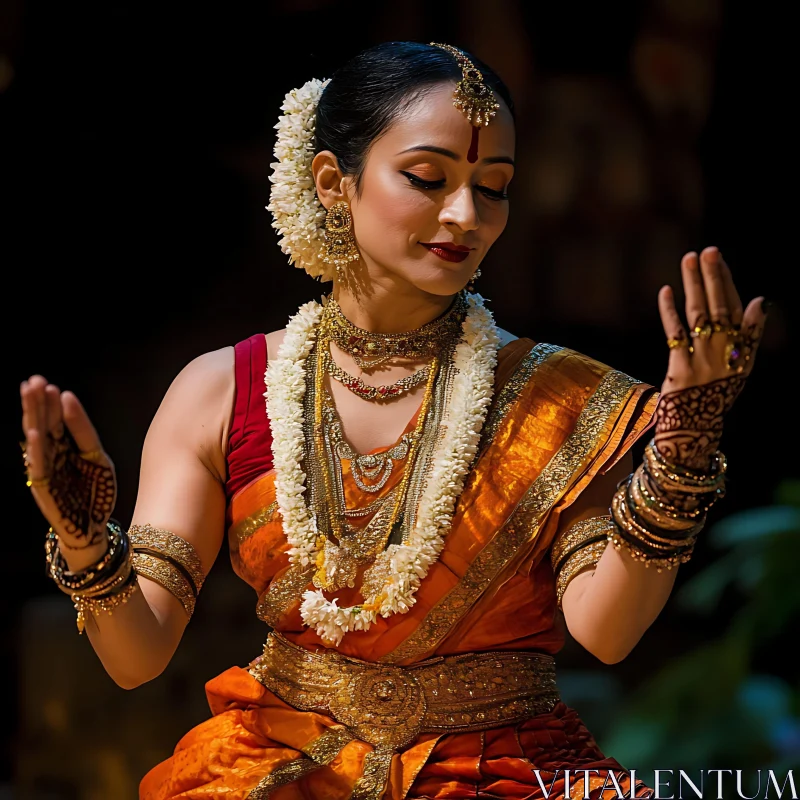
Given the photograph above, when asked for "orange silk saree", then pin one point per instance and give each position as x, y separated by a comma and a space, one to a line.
557, 420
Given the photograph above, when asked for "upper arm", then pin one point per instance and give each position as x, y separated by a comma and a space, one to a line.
594, 501
183, 468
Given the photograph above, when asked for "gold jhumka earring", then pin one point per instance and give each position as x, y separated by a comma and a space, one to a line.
340, 246
471, 283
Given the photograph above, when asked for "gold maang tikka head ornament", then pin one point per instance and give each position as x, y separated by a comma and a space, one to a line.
473, 97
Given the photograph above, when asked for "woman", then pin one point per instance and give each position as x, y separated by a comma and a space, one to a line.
422, 492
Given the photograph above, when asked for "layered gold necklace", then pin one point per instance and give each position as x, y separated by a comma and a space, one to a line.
349, 546
341, 546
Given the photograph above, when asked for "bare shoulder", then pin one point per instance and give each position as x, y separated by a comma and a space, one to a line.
207, 374
506, 337
198, 406
274, 341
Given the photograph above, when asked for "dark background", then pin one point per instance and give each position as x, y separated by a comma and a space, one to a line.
136, 150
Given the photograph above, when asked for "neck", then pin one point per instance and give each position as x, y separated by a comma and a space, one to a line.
389, 308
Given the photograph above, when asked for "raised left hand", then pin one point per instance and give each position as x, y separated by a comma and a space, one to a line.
709, 363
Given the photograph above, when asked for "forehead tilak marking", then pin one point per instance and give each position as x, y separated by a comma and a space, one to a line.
472, 155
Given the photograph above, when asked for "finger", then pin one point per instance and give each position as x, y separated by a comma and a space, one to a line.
34, 405
38, 470
696, 308
24, 400
27, 396
79, 424
55, 423
673, 327
754, 319
35, 455
714, 286
745, 346
733, 299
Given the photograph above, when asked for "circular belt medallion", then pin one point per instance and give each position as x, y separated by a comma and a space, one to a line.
384, 707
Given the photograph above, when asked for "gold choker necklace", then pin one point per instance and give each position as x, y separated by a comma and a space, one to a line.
370, 349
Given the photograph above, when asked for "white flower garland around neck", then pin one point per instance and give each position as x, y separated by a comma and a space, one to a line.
475, 360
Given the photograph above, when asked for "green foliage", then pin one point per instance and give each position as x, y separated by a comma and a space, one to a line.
713, 706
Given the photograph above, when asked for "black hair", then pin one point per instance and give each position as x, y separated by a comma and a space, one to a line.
368, 93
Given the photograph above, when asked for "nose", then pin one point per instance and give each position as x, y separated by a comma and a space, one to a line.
459, 210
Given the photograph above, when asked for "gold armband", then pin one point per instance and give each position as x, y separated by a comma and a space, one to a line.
169, 561
577, 549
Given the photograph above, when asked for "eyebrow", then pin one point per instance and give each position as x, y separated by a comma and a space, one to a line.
443, 151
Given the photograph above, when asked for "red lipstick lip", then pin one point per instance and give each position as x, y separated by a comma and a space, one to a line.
447, 253
458, 248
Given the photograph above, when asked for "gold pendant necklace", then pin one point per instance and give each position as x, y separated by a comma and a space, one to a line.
358, 546
376, 467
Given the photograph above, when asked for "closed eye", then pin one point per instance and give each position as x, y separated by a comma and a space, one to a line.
415, 180
492, 194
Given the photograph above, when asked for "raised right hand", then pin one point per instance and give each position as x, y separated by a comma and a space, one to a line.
71, 477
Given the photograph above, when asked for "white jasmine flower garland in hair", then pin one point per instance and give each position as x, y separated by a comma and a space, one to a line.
297, 213
475, 359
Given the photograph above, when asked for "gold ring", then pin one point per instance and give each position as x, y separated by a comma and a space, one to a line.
677, 344
728, 330
702, 331
92, 455
737, 354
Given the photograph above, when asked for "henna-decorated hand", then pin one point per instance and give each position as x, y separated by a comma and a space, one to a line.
708, 365
71, 477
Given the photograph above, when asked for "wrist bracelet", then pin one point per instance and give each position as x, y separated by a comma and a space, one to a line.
86, 577
105, 604
684, 481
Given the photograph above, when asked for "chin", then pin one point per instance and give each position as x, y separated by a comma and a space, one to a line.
440, 281
441, 286
437, 279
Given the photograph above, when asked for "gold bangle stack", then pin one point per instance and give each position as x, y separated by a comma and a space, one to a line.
661, 508
100, 587
683, 481
169, 561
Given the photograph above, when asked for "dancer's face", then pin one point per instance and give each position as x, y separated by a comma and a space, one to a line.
411, 195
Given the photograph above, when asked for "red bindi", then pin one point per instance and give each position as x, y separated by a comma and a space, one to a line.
472, 155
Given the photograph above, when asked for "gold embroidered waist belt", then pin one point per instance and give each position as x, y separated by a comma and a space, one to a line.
388, 706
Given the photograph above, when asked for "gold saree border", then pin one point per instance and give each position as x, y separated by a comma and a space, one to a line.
252, 524
318, 753
375, 773
511, 389
282, 594
524, 522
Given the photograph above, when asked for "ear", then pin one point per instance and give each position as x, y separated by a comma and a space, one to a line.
331, 185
